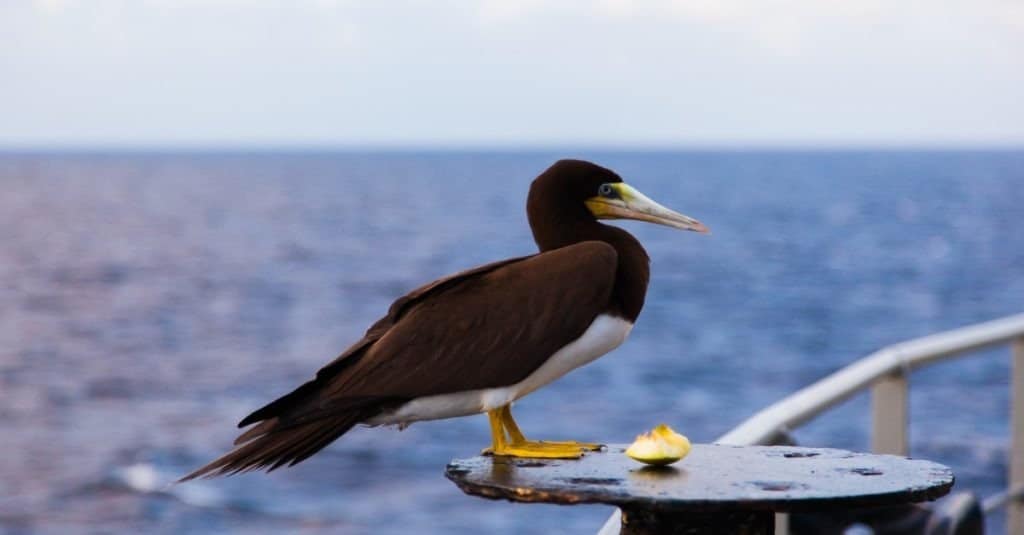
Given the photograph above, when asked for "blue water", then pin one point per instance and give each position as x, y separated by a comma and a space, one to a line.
150, 301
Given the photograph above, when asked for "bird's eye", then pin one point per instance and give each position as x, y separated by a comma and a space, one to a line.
606, 190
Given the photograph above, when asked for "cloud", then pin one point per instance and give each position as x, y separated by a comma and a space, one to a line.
498, 11
504, 71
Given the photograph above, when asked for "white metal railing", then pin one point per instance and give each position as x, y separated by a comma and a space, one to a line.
886, 372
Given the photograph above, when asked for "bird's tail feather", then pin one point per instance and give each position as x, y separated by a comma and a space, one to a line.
274, 446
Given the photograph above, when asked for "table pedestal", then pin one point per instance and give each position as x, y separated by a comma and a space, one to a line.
646, 522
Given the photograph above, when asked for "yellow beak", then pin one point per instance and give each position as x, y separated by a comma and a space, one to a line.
628, 203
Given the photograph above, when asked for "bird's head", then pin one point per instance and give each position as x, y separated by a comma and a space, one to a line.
577, 186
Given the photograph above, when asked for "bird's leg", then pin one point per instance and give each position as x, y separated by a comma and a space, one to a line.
517, 436
509, 440
505, 413
498, 440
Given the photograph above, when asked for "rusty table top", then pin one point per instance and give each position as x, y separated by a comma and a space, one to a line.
711, 478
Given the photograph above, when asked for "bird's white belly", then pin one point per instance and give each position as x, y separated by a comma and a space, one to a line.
603, 335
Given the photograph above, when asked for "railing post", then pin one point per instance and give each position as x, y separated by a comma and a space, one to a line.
889, 414
1015, 511
781, 523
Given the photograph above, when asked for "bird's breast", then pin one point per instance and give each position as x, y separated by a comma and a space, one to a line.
605, 333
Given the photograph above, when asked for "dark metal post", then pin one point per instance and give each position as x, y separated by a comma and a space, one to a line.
636, 521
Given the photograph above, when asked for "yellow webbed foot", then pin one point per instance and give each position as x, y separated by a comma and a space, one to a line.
585, 446
509, 441
538, 450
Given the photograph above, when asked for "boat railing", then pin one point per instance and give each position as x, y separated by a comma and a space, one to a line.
886, 373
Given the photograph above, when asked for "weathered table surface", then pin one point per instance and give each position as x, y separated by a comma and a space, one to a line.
711, 480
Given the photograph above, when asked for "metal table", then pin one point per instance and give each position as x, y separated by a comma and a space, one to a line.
716, 489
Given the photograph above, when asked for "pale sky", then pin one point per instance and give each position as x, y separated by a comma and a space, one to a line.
494, 73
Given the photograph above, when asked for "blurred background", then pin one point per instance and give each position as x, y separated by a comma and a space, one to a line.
203, 202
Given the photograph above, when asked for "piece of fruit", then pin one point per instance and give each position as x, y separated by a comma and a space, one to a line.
660, 447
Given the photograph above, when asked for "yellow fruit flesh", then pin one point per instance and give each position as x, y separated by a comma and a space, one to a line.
661, 446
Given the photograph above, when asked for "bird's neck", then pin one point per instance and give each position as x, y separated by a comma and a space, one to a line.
633, 271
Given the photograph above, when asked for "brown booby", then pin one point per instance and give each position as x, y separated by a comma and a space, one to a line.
481, 339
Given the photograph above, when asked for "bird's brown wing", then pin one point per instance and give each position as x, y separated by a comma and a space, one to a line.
490, 330
354, 352
486, 327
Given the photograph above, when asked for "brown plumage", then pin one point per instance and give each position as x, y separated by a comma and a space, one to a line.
488, 327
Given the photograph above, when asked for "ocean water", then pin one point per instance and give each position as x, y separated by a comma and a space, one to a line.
152, 300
